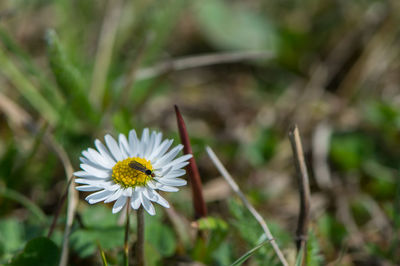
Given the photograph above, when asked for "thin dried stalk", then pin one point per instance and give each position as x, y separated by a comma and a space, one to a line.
72, 199
199, 205
58, 210
246, 203
200, 61
104, 50
304, 190
320, 145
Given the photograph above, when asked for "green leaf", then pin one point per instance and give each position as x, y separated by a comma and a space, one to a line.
223, 254
99, 216
84, 241
329, 228
39, 251
248, 254
100, 228
382, 115
152, 255
300, 255
212, 223
350, 150
263, 148
230, 26
314, 257
161, 237
11, 235
252, 233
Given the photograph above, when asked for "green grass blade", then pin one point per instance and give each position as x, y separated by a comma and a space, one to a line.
248, 254
300, 255
102, 254
27, 89
24, 201
52, 93
67, 76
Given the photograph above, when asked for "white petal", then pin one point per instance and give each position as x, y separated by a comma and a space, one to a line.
102, 160
163, 172
174, 174
87, 155
133, 143
98, 196
135, 200
117, 194
148, 193
178, 171
147, 205
176, 182
160, 200
81, 174
107, 185
94, 178
179, 160
93, 164
165, 188
95, 171
103, 151
180, 165
127, 192
159, 151
123, 145
119, 204
143, 142
168, 157
88, 188
150, 145
113, 147
156, 142
88, 181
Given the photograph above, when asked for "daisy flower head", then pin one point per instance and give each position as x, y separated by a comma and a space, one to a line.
131, 169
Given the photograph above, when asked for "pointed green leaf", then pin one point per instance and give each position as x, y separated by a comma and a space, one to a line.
248, 254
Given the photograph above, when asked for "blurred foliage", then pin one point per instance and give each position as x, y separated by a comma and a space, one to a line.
331, 63
37, 251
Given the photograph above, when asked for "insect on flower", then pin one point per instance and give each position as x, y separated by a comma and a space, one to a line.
140, 167
132, 170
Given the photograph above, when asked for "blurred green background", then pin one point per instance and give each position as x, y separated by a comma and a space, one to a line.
72, 70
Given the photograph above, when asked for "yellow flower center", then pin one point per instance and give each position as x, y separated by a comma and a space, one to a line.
132, 172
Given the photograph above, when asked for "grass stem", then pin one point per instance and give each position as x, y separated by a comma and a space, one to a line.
126, 240
246, 203
140, 238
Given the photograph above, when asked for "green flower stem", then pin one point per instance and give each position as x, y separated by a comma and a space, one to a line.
140, 238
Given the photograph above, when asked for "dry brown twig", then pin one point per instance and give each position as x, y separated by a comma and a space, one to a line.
304, 190
246, 203
199, 204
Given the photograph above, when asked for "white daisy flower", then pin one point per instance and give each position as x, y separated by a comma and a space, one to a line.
132, 169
